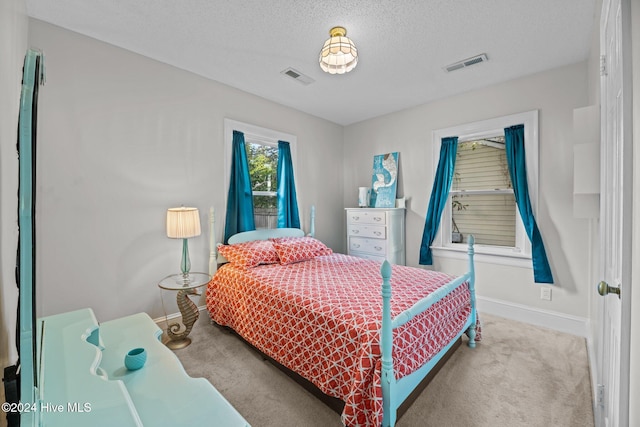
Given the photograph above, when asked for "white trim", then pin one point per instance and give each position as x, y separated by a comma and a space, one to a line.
483, 129
486, 254
593, 371
554, 320
491, 127
256, 132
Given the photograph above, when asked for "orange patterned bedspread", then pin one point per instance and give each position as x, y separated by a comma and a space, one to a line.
321, 318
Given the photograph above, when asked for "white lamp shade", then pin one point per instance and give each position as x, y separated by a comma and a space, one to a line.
338, 55
183, 223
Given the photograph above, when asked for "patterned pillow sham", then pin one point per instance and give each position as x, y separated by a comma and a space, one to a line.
250, 254
296, 249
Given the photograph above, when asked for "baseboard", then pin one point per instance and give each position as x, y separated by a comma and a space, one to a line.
593, 366
172, 316
547, 319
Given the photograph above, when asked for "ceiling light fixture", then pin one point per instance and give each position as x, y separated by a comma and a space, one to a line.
338, 55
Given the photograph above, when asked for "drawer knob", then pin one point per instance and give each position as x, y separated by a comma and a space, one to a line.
377, 218
355, 231
377, 233
355, 218
355, 245
378, 248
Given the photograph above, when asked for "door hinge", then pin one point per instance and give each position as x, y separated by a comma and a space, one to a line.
601, 394
603, 65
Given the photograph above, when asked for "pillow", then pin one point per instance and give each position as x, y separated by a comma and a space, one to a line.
250, 254
296, 249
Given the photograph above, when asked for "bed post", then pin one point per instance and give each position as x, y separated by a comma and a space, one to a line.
312, 226
471, 332
386, 343
213, 262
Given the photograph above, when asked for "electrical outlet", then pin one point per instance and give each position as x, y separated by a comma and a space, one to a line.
545, 294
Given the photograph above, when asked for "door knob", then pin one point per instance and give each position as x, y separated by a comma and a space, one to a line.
604, 289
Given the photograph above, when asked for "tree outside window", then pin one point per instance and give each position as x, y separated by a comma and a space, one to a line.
263, 166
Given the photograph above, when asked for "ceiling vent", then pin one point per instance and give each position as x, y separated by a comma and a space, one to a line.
297, 76
466, 62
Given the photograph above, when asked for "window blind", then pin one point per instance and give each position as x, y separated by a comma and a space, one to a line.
483, 203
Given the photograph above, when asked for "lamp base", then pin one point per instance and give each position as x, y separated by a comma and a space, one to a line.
178, 344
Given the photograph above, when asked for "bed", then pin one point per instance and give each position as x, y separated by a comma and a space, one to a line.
320, 315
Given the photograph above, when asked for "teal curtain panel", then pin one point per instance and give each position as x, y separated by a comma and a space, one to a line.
439, 196
288, 216
514, 146
240, 200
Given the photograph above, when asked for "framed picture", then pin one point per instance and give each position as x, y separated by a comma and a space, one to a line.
384, 180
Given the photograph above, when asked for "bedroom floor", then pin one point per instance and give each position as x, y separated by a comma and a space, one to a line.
519, 375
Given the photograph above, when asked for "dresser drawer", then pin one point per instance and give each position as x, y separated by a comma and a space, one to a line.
376, 233
366, 217
362, 230
371, 246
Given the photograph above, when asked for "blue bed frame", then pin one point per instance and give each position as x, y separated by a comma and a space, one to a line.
394, 391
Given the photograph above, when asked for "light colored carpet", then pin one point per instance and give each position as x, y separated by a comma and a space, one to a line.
519, 375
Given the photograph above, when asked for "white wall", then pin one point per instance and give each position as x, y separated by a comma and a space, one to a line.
123, 138
555, 94
13, 46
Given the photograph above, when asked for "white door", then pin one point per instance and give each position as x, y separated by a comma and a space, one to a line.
615, 216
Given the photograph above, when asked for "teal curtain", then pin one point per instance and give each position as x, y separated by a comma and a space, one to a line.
439, 196
240, 199
287, 201
514, 146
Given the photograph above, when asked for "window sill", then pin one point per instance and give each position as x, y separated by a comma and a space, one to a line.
484, 254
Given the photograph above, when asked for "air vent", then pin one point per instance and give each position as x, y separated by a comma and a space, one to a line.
297, 76
292, 73
466, 62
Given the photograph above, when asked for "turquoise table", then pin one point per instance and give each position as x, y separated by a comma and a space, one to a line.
83, 380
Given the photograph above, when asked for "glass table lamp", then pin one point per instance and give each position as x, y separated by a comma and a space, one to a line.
183, 223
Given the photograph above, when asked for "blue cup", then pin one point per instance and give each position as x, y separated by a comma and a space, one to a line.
135, 359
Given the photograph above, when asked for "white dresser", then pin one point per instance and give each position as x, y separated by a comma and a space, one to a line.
376, 233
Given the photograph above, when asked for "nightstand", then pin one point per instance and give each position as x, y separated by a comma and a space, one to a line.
185, 286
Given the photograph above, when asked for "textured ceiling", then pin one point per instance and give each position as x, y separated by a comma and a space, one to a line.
403, 45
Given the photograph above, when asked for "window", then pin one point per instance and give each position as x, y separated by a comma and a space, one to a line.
263, 164
262, 155
481, 200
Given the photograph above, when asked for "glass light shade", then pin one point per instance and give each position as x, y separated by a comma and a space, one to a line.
338, 55
183, 223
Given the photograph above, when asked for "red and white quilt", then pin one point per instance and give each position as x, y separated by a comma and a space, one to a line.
321, 318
